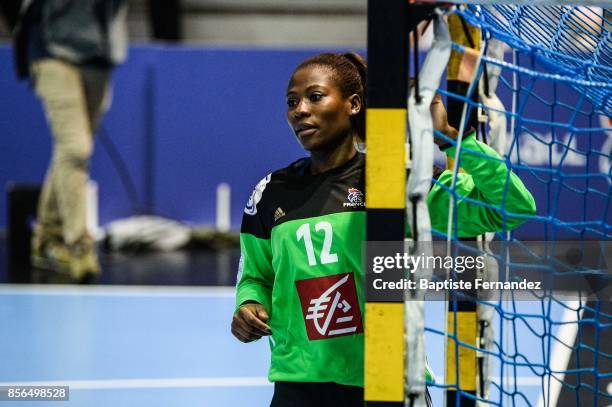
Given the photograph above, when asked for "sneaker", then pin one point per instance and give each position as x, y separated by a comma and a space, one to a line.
83, 264
50, 255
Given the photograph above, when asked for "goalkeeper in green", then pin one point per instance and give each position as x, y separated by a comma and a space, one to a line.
300, 275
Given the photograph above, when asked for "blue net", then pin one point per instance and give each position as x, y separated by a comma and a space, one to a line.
568, 40
555, 87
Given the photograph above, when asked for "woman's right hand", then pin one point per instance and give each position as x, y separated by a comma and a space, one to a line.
249, 322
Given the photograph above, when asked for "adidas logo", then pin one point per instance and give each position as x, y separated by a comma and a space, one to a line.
278, 214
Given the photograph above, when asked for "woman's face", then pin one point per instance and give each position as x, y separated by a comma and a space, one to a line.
316, 110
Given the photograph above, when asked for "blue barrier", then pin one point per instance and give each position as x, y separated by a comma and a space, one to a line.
186, 119
183, 119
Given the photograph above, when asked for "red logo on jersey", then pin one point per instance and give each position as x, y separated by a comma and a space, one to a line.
329, 306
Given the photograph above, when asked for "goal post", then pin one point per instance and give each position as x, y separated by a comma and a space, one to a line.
538, 91
385, 185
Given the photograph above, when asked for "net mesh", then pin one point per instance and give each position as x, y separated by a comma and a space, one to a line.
571, 41
555, 88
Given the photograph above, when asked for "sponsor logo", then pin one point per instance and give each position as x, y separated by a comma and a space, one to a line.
251, 206
279, 213
354, 198
329, 306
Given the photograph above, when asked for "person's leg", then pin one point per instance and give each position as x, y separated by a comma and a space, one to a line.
343, 395
48, 247
60, 87
297, 394
48, 250
49, 223
48, 230
98, 94
96, 90
353, 396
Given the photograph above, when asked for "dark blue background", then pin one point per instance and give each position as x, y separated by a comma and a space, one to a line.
207, 115
186, 119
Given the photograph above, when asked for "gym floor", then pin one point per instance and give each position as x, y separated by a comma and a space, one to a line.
155, 332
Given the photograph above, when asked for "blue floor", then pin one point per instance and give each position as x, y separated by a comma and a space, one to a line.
157, 346
109, 343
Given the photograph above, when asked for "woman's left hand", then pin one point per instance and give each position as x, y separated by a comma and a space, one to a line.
439, 118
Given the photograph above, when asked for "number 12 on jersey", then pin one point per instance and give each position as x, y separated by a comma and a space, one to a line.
303, 232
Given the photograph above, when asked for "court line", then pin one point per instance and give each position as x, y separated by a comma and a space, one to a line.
194, 382
117, 290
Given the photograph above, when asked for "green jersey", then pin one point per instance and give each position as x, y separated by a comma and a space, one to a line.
301, 242
486, 180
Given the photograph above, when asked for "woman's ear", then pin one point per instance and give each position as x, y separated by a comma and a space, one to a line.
356, 104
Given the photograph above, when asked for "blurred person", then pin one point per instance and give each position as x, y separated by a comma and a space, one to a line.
67, 49
300, 277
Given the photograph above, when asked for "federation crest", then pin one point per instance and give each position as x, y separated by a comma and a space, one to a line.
354, 198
